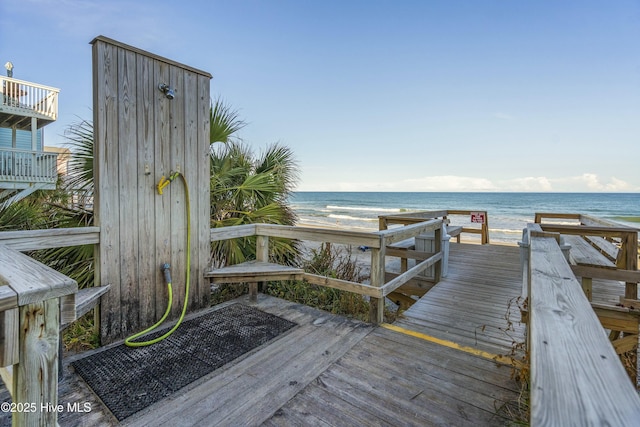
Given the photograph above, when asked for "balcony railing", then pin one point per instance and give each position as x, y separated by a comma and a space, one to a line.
26, 98
28, 166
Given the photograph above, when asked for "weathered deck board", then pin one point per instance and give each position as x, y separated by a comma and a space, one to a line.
470, 305
392, 379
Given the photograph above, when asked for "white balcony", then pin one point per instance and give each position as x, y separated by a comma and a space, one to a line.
22, 101
21, 169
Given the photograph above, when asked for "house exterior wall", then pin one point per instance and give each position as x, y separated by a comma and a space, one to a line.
23, 139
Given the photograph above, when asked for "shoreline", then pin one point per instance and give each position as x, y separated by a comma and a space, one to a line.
463, 239
363, 258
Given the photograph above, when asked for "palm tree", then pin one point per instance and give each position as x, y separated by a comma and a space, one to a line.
247, 190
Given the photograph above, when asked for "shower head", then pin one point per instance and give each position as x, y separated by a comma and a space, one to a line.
168, 91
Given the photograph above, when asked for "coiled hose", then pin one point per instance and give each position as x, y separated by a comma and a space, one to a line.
165, 268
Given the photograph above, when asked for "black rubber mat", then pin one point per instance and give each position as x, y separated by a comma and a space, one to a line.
130, 379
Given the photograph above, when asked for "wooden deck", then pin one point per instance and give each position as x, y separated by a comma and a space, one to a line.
334, 371
471, 306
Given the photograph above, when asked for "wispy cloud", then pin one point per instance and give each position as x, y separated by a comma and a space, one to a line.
450, 183
429, 183
592, 182
503, 116
527, 184
587, 182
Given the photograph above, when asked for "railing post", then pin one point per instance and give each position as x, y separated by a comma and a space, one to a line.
262, 255
630, 245
437, 268
485, 229
35, 380
376, 305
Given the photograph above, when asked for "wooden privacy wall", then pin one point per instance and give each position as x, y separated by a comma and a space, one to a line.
140, 135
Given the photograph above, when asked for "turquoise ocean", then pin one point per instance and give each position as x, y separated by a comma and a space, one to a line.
508, 213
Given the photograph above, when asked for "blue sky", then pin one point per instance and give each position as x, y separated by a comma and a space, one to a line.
381, 95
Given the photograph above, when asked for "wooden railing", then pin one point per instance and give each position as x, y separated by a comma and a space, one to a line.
625, 268
33, 240
581, 219
34, 301
29, 97
28, 166
29, 363
475, 217
377, 242
576, 376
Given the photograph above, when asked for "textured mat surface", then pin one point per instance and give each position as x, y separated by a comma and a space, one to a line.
130, 379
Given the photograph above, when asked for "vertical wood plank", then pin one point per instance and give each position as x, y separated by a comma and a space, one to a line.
262, 248
9, 337
35, 377
147, 264
67, 309
262, 255
587, 287
105, 119
437, 268
162, 202
376, 305
191, 149
485, 230
177, 190
128, 191
204, 188
630, 243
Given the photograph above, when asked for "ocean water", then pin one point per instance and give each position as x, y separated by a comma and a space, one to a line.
508, 213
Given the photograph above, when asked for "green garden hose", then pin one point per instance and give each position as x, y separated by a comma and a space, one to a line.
129, 341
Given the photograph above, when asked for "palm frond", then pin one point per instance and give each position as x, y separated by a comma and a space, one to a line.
224, 122
79, 138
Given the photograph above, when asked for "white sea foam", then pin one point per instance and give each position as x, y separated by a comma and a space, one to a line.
504, 230
508, 213
351, 218
364, 208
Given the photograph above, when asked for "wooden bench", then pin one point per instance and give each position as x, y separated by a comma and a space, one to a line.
85, 300
253, 272
409, 244
406, 249
591, 251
